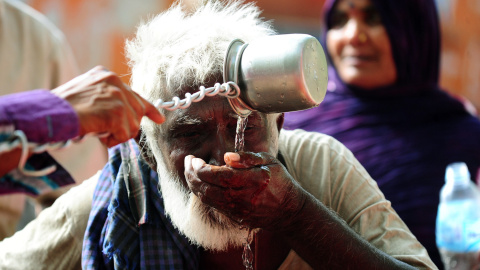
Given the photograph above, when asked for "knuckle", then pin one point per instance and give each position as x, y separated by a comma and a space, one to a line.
116, 109
100, 67
110, 74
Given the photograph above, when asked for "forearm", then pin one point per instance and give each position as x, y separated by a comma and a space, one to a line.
325, 241
42, 116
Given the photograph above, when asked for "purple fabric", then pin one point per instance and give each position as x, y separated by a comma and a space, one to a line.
404, 134
41, 115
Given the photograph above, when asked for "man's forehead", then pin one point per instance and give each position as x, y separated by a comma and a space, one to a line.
192, 116
187, 119
200, 114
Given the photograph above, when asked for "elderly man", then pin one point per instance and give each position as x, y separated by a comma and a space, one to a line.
182, 199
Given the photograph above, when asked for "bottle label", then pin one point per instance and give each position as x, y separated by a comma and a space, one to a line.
472, 236
458, 226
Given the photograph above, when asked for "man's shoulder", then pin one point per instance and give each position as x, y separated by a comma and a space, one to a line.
296, 138
304, 149
301, 133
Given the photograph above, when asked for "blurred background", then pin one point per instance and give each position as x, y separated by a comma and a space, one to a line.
97, 29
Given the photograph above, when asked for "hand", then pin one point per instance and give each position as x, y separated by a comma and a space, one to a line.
104, 104
253, 189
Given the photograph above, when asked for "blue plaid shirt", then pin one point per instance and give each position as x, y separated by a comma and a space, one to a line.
128, 228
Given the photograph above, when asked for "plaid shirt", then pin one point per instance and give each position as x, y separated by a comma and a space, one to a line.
128, 228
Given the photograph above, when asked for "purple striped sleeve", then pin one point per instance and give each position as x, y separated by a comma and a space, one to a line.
41, 115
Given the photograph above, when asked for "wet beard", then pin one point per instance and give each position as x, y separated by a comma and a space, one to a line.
200, 223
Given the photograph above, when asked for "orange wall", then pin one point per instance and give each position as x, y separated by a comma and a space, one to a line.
461, 49
97, 29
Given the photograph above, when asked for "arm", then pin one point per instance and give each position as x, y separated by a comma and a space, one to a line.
319, 235
329, 172
42, 116
95, 102
325, 241
316, 233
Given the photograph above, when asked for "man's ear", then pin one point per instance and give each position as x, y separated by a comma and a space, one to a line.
145, 151
280, 120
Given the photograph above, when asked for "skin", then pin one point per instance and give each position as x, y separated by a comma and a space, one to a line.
359, 46
107, 106
104, 105
254, 189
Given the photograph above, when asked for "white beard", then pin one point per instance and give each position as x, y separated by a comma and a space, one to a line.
200, 223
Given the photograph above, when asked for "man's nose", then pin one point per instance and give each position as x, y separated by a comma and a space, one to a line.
221, 144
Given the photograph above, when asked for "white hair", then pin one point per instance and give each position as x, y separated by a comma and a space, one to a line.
201, 224
180, 48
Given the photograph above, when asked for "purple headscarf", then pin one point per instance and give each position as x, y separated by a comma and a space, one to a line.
407, 133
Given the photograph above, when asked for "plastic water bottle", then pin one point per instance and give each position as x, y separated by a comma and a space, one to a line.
458, 220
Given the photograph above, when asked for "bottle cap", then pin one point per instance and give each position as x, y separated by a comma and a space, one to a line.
457, 173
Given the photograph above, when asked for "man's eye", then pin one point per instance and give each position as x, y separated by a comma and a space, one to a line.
250, 128
187, 134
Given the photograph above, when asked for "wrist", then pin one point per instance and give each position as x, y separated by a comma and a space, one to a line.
292, 209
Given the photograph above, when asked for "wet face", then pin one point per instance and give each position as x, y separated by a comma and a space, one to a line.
207, 130
359, 45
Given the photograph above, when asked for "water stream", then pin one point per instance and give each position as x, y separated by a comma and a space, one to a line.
247, 255
240, 135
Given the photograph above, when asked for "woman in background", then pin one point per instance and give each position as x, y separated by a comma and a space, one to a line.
384, 103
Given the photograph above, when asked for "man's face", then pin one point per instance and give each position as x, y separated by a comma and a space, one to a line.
207, 130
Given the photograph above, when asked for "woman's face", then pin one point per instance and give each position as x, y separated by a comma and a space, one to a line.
359, 46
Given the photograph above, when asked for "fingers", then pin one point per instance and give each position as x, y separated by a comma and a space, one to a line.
198, 173
245, 160
151, 111
141, 106
104, 104
222, 197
